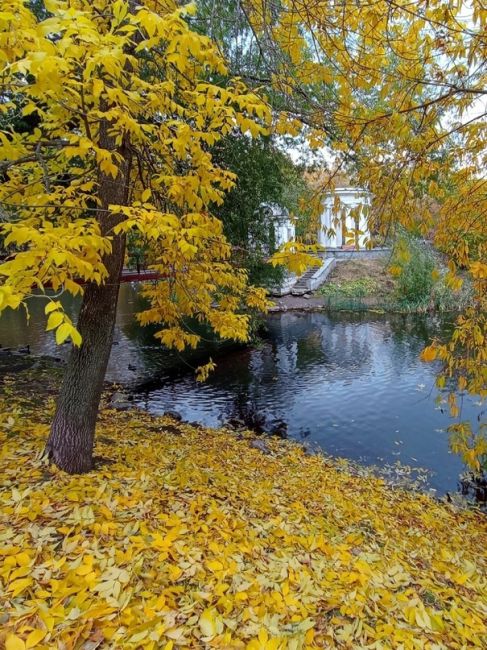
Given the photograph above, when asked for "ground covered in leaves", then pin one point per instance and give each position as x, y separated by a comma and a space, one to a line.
193, 538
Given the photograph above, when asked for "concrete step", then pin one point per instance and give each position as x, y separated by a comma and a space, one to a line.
302, 285
313, 278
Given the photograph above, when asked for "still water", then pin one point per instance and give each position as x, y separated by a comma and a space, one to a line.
352, 384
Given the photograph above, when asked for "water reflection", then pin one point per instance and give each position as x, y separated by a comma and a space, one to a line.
351, 383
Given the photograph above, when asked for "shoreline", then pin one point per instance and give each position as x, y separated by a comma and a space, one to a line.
42, 375
314, 303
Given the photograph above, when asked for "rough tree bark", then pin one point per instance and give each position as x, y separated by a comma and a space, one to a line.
71, 440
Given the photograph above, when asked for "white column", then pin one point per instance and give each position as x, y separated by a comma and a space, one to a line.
326, 223
322, 226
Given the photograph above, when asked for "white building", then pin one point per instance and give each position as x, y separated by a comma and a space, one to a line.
281, 227
281, 230
344, 218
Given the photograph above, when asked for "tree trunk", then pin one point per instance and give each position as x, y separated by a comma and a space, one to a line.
71, 440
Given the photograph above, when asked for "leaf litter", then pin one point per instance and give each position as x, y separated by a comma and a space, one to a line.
193, 538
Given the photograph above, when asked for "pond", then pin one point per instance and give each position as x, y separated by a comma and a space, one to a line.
351, 384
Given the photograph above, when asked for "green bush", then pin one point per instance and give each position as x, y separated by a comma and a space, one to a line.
413, 263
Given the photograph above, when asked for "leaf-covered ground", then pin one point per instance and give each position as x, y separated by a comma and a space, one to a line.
192, 538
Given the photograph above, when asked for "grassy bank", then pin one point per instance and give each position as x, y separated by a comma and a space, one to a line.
360, 284
195, 538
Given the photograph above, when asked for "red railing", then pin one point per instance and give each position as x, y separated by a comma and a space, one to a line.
141, 275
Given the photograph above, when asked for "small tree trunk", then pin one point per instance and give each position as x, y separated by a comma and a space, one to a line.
71, 440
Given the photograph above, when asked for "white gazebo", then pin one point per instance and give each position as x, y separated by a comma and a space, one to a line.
344, 217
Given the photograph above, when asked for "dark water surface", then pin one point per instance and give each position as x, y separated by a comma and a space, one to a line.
351, 383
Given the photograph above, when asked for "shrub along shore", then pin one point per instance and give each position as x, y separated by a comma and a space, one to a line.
185, 537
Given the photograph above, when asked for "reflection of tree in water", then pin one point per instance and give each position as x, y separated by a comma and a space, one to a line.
17, 328
410, 333
413, 332
253, 378
310, 351
347, 346
297, 346
153, 357
305, 341
340, 347
295, 342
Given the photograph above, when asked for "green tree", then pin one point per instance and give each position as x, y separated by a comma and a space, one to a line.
265, 176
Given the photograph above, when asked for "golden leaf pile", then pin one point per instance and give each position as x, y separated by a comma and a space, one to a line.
191, 538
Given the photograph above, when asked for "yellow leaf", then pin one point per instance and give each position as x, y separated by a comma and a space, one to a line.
65, 331
18, 586
83, 569
462, 383
423, 619
52, 306
263, 636
14, 642
76, 337
34, 638
62, 332
23, 559
210, 623
214, 565
98, 87
479, 270
30, 108
55, 319
428, 354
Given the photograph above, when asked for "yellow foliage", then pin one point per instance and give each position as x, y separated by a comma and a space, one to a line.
118, 81
192, 538
392, 73
429, 353
297, 256
470, 446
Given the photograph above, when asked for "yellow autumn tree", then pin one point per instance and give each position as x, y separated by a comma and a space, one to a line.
397, 92
125, 109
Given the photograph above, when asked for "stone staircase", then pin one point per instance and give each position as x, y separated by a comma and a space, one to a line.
302, 285
314, 277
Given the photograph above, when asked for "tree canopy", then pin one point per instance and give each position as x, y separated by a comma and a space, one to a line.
405, 116
119, 93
